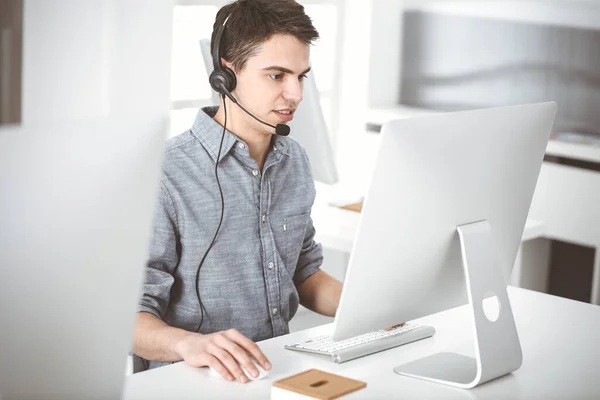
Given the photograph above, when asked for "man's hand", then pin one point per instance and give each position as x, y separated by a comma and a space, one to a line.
224, 352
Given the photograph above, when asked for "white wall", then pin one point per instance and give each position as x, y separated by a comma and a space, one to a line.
88, 58
353, 102
386, 53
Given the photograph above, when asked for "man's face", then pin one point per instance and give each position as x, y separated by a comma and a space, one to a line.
270, 85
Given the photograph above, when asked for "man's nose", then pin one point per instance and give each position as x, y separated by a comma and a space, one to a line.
293, 90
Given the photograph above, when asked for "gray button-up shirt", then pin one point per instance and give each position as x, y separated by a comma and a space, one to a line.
265, 247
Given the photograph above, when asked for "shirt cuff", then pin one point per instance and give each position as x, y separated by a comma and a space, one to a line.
149, 310
304, 274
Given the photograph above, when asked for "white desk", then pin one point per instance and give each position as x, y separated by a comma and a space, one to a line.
559, 337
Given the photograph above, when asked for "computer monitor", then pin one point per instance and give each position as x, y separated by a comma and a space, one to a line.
450, 194
76, 209
308, 126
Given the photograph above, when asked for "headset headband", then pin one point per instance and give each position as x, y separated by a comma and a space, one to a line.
217, 46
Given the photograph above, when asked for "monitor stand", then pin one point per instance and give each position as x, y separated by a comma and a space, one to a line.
497, 347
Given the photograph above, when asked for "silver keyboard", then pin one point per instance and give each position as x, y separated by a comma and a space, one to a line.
369, 343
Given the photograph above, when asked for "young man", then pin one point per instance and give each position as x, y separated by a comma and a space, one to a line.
264, 260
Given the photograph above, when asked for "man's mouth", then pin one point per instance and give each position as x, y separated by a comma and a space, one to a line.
285, 114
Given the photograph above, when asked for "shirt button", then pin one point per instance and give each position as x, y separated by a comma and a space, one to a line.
274, 148
264, 218
255, 172
270, 265
275, 311
241, 145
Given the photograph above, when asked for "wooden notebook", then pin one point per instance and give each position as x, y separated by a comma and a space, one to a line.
318, 384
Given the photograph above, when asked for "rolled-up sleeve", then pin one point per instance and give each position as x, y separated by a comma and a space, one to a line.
311, 256
163, 257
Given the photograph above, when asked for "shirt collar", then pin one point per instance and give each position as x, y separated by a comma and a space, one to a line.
209, 132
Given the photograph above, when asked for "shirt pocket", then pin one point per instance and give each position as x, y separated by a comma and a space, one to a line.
293, 230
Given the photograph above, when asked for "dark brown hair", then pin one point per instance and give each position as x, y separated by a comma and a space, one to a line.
253, 22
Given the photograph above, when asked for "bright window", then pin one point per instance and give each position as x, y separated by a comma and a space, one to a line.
188, 75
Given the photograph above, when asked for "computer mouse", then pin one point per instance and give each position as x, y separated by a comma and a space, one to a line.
261, 372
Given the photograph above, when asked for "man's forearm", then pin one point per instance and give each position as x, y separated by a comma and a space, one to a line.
321, 293
155, 340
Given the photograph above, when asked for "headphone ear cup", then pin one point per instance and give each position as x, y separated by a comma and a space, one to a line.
231, 80
222, 81
218, 81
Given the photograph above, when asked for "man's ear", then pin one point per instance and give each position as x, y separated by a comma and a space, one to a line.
226, 63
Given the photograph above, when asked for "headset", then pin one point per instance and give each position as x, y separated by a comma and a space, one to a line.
223, 81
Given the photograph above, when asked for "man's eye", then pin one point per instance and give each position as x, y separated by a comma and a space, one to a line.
276, 77
302, 77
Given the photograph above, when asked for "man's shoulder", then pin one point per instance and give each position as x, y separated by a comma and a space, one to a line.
179, 142
182, 152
